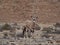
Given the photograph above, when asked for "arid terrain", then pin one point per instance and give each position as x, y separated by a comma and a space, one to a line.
29, 33
29, 22
48, 11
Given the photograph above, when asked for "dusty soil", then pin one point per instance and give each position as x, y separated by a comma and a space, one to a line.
48, 11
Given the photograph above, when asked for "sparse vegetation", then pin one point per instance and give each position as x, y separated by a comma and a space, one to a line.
41, 11
57, 25
6, 27
47, 30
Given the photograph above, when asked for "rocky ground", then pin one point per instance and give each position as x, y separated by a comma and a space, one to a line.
36, 38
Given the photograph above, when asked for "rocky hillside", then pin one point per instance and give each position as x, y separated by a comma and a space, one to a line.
19, 10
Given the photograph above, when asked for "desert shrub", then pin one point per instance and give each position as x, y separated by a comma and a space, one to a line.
57, 25
47, 30
6, 27
13, 44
